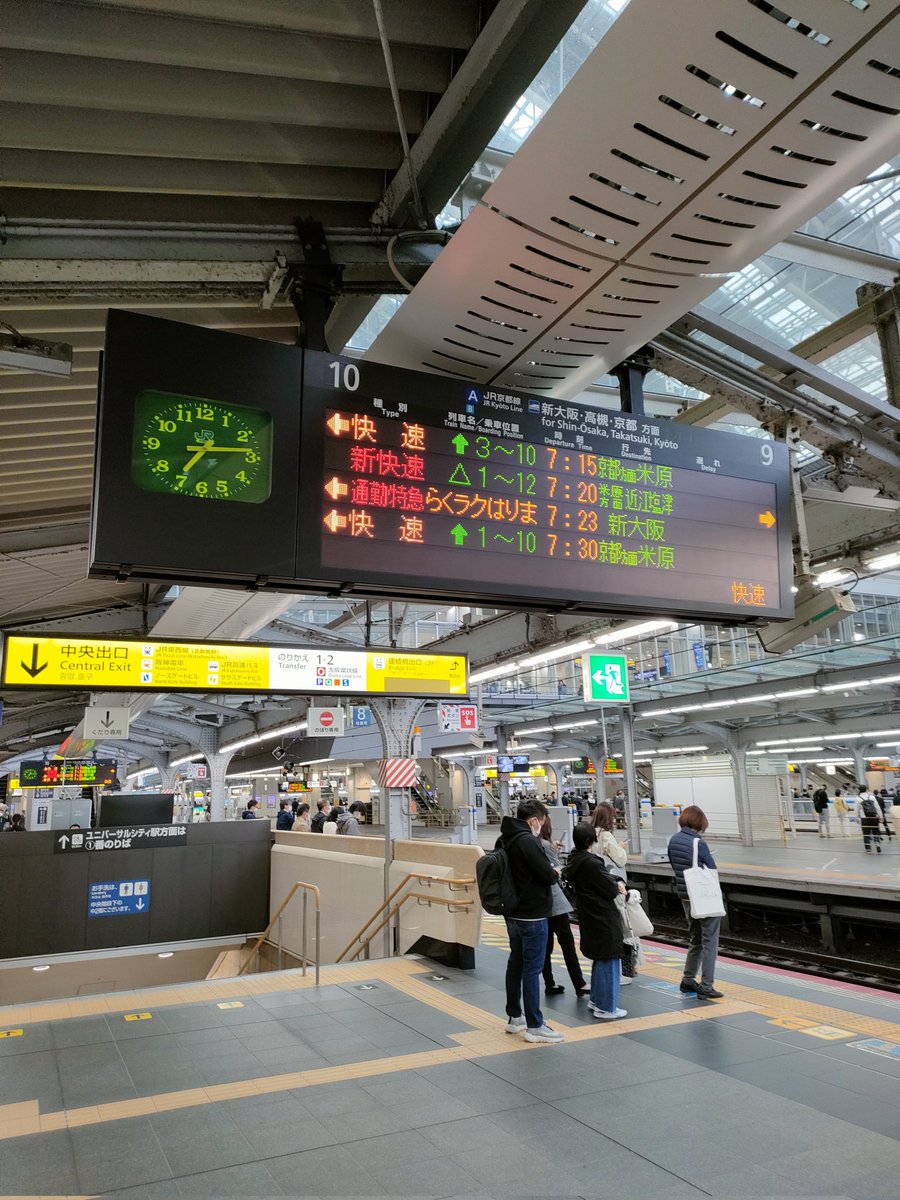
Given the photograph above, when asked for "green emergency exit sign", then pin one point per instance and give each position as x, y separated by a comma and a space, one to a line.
605, 678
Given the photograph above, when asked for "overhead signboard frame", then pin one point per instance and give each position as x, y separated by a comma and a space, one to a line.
317, 473
154, 665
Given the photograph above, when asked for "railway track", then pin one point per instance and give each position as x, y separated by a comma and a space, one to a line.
807, 962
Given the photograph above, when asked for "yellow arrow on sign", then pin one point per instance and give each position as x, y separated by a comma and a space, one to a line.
766, 519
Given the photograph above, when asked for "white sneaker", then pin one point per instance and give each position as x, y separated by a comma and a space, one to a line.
516, 1025
599, 1015
624, 981
544, 1034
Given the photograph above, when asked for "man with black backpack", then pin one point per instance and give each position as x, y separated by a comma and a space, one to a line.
526, 922
870, 818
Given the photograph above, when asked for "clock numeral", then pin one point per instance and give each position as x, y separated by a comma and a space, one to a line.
204, 412
151, 443
242, 476
162, 466
201, 488
251, 456
180, 480
165, 426
222, 487
184, 415
243, 435
225, 420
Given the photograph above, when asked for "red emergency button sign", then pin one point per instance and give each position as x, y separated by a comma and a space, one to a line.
326, 718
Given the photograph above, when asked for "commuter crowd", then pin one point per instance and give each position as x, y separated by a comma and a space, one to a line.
523, 878
294, 816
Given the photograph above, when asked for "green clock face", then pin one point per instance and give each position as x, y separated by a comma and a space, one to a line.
200, 448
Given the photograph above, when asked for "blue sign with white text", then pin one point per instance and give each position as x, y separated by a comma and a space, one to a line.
119, 897
361, 716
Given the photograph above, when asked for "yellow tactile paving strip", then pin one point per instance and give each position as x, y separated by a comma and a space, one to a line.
486, 1038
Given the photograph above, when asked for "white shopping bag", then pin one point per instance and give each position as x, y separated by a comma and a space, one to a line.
703, 889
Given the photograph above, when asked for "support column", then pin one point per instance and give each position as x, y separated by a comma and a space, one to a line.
738, 757
803, 776
218, 765
396, 721
632, 801
502, 784
859, 762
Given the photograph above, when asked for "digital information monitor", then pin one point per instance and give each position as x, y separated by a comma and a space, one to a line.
228, 460
428, 485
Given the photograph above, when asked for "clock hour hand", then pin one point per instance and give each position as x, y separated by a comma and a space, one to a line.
200, 451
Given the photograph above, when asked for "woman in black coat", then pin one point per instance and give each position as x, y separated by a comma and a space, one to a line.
600, 921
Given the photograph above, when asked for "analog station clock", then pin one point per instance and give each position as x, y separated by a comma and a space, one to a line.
189, 446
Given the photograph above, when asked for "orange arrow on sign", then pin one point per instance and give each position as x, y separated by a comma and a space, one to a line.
338, 425
766, 519
335, 488
335, 521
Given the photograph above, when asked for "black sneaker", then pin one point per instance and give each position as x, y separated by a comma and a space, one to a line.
554, 989
707, 992
689, 986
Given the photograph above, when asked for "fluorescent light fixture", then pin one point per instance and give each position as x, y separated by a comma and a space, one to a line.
630, 631
166, 954
757, 699
834, 575
846, 687
179, 762
807, 691
509, 668
569, 725
568, 650
32, 354
266, 736
672, 750
883, 562
44, 968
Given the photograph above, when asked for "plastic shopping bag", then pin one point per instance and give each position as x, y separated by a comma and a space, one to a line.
703, 889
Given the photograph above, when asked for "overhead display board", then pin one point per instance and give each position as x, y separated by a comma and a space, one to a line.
157, 666
71, 772
426, 484
228, 460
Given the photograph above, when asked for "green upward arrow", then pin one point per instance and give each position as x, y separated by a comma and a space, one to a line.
460, 443
459, 533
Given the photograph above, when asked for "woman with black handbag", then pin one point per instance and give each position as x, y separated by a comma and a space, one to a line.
559, 923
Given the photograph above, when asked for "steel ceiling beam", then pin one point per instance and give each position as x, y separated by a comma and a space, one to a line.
835, 257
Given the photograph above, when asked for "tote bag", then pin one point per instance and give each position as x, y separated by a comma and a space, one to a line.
703, 890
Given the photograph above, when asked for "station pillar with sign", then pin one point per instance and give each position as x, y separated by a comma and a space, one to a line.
396, 720
626, 717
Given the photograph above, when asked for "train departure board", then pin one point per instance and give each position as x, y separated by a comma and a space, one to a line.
424, 485
228, 460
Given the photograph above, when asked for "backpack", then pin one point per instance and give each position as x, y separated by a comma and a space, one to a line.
495, 883
870, 808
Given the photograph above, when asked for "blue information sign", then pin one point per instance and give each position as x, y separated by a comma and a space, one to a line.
118, 897
362, 716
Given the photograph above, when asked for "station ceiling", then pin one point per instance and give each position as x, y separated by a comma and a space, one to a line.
166, 156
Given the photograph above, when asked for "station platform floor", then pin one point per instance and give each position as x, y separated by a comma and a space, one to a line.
397, 1078
806, 858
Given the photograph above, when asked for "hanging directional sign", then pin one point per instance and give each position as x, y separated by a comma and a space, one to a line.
605, 678
324, 722
458, 718
119, 897
31, 660
106, 724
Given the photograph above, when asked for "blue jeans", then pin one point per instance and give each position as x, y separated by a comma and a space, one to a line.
605, 973
527, 947
704, 946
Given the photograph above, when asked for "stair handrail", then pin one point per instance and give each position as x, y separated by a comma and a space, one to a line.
450, 904
461, 884
307, 889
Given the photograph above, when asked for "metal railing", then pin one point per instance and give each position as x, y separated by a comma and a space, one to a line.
391, 907
307, 889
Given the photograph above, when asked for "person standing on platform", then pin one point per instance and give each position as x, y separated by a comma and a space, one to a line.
603, 820
703, 931
301, 819
284, 822
249, 813
820, 804
886, 803
526, 924
559, 923
323, 813
842, 812
870, 817
599, 922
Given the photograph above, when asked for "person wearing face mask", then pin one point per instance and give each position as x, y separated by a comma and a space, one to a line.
526, 926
